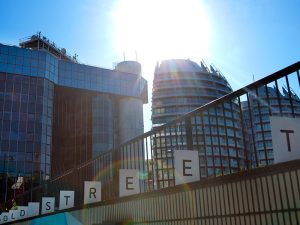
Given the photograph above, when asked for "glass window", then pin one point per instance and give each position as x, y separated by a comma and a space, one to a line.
5, 145
15, 108
39, 108
30, 117
7, 105
9, 87
28, 167
13, 51
39, 90
31, 108
2, 86
4, 49
25, 88
6, 125
30, 126
15, 125
3, 58
29, 145
32, 90
17, 87
21, 146
23, 109
48, 159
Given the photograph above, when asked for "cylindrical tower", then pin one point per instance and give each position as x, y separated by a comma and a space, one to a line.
130, 116
133, 67
179, 87
260, 138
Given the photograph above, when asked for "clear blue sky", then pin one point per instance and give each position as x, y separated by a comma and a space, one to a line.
241, 38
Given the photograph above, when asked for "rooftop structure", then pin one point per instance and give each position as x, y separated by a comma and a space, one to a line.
40, 42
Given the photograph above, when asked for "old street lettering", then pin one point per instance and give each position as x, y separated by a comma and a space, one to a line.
92, 192
129, 184
186, 166
285, 138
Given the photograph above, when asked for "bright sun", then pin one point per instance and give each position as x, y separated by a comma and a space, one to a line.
161, 29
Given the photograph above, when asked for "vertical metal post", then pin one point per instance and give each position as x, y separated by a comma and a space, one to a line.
258, 104
251, 117
197, 143
235, 136
246, 161
212, 155
172, 154
226, 135
161, 159
115, 168
188, 133
278, 97
290, 95
204, 142
219, 143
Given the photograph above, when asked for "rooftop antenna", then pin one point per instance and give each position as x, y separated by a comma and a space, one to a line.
123, 56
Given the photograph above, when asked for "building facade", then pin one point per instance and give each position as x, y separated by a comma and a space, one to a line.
180, 86
56, 113
262, 104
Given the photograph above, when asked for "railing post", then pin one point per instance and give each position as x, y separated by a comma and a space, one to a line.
115, 171
188, 134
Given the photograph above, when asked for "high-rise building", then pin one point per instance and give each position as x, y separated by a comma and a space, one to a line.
180, 86
56, 113
262, 104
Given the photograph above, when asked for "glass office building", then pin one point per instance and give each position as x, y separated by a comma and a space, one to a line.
56, 113
180, 86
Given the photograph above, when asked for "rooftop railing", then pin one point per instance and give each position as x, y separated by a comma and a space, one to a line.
42, 38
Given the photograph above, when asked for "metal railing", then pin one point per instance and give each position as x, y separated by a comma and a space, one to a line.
224, 132
44, 39
268, 195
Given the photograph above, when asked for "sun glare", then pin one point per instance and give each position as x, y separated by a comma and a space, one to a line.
161, 29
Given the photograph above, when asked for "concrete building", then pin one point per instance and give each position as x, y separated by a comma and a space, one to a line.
56, 113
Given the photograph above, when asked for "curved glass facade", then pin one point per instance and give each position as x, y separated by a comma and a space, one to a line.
279, 103
179, 87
